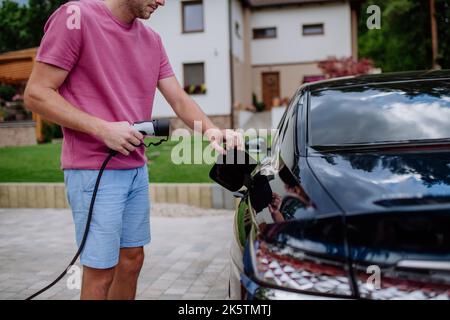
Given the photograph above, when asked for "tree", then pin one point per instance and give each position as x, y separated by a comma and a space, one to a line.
443, 21
38, 13
13, 33
23, 25
434, 34
404, 40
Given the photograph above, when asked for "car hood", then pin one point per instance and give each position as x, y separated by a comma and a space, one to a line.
372, 182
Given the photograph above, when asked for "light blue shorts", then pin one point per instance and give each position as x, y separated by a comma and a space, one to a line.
121, 217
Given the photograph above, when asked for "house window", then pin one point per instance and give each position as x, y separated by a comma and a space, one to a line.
192, 16
194, 78
265, 33
313, 29
237, 30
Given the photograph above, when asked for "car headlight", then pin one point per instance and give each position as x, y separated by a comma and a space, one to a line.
289, 268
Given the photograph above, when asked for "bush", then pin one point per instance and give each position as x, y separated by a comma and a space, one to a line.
51, 131
7, 93
260, 106
335, 68
3, 114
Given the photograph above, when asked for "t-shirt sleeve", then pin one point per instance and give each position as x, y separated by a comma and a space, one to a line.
62, 40
165, 69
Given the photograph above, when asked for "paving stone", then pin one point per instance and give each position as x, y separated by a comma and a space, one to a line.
150, 294
169, 297
175, 291
193, 296
187, 259
198, 290
169, 276
7, 295
4, 276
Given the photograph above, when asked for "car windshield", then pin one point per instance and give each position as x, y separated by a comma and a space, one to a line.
384, 113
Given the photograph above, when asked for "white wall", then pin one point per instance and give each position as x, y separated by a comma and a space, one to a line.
291, 46
237, 16
210, 47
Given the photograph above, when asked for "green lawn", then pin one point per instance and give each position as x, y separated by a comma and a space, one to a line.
41, 163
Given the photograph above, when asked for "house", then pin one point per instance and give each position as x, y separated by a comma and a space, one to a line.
224, 51
19, 130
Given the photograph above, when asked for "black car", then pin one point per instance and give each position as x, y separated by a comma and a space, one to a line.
354, 199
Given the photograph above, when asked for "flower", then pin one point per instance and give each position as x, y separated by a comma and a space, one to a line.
195, 89
17, 97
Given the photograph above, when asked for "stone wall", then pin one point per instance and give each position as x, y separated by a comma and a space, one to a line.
53, 195
17, 133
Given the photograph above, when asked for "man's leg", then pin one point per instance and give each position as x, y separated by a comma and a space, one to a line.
126, 274
96, 283
135, 235
101, 253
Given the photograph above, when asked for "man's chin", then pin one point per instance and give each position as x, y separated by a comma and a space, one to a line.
145, 16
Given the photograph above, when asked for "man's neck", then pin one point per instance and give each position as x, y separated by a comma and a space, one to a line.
120, 10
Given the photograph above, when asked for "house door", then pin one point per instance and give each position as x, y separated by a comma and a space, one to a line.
271, 87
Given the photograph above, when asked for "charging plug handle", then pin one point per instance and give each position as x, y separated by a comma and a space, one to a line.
155, 128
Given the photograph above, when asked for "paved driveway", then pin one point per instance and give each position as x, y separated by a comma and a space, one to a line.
188, 257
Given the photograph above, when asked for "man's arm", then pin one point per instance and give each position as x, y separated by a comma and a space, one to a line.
183, 105
189, 112
42, 97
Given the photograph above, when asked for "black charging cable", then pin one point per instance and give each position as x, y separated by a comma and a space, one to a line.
86, 231
154, 144
111, 155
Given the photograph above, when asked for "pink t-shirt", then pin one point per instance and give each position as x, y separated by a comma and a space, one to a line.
114, 69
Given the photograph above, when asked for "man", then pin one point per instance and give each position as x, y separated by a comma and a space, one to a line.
96, 73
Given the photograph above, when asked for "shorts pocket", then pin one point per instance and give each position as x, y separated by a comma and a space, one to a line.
88, 179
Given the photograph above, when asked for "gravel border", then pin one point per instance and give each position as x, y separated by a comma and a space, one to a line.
183, 210
168, 210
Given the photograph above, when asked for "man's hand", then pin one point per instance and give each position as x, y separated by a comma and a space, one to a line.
231, 139
120, 136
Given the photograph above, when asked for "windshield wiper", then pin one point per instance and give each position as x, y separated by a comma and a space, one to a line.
381, 145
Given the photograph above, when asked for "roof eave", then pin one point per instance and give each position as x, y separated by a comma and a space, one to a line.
291, 3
